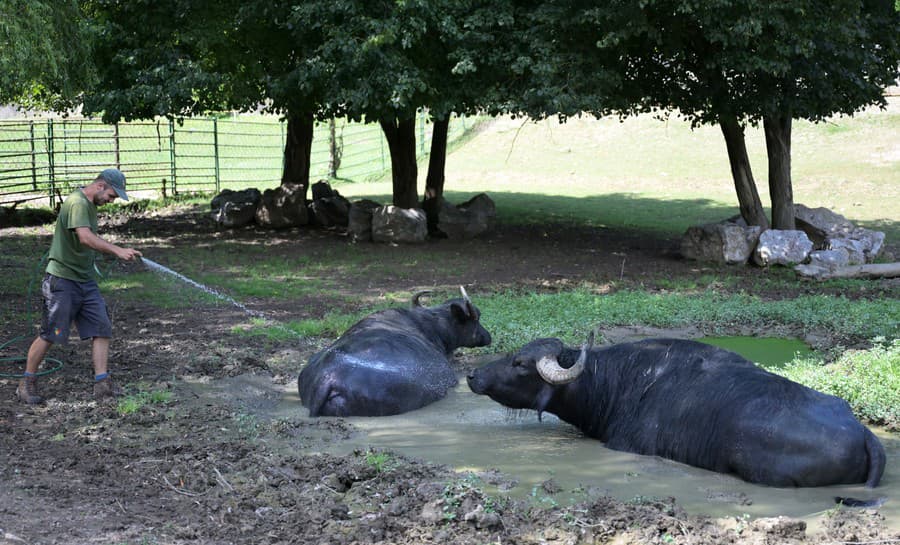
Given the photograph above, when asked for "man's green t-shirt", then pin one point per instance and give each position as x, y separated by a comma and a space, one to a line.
69, 258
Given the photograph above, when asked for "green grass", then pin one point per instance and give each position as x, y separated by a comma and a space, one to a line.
662, 176
133, 403
868, 379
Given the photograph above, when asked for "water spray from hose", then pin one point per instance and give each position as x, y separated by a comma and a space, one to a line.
156, 267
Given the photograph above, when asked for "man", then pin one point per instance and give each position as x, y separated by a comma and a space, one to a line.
69, 288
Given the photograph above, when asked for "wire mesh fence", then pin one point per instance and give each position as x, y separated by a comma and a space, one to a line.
43, 160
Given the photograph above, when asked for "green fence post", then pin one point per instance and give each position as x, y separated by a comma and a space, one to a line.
216, 149
33, 157
50, 170
172, 169
116, 145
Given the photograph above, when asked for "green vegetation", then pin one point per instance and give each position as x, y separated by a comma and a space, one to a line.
379, 461
868, 379
516, 318
133, 403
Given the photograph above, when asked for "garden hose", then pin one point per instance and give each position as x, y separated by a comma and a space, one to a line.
29, 313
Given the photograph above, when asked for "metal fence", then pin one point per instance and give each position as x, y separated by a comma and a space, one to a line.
43, 160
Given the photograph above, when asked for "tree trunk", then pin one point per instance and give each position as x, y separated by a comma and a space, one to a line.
748, 197
297, 150
434, 182
401, 139
778, 148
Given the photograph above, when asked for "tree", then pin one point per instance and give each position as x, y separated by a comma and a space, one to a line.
178, 58
749, 61
45, 59
726, 62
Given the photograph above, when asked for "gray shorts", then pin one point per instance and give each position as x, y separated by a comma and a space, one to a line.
67, 301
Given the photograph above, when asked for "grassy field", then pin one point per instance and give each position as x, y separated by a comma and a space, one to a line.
662, 176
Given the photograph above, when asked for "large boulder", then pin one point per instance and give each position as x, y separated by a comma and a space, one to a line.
724, 242
782, 247
235, 208
359, 226
283, 207
829, 230
469, 219
395, 224
328, 208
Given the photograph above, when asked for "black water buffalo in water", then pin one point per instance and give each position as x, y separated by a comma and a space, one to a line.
693, 403
392, 361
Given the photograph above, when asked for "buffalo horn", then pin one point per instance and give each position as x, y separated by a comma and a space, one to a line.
415, 298
465, 295
553, 373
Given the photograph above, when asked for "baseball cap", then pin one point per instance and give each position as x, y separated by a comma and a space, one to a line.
116, 180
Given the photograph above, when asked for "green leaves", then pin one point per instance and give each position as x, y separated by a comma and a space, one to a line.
45, 59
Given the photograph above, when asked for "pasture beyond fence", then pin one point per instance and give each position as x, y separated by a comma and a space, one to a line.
43, 160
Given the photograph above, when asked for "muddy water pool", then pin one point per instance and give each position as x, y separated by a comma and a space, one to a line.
471, 432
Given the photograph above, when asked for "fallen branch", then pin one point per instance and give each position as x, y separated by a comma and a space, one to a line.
872, 270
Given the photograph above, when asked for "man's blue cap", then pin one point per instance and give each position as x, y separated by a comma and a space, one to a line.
116, 180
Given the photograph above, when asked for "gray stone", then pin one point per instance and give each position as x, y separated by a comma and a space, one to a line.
235, 208
854, 248
282, 207
333, 211
359, 226
820, 223
395, 224
782, 247
470, 219
872, 241
724, 242
829, 259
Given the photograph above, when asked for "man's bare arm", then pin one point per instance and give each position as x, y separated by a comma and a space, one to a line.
89, 239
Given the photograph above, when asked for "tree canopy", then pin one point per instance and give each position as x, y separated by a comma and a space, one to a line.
45, 55
728, 62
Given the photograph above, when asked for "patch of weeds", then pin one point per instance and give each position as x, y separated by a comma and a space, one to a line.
456, 491
380, 461
247, 424
544, 499
869, 380
133, 403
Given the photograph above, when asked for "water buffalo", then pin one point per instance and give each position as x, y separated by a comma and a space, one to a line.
392, 361
693, 403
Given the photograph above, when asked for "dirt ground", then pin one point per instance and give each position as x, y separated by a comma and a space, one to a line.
203, 469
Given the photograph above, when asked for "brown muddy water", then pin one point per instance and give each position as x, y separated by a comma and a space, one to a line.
472, 433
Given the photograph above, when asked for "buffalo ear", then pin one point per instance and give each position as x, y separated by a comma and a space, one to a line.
459, 312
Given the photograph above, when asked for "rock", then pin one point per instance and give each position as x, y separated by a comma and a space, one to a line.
854, 249
359, 225
469, 219
829, 259
823, 226
235, 208
394, 224
820, 223
333, 211
282, 207
322, 190
724, 242
782, 247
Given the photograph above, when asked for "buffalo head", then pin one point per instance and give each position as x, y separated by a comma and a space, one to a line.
529, 378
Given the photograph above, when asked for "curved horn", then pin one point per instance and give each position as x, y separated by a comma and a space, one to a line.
415, 298
553, 373
465, 295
